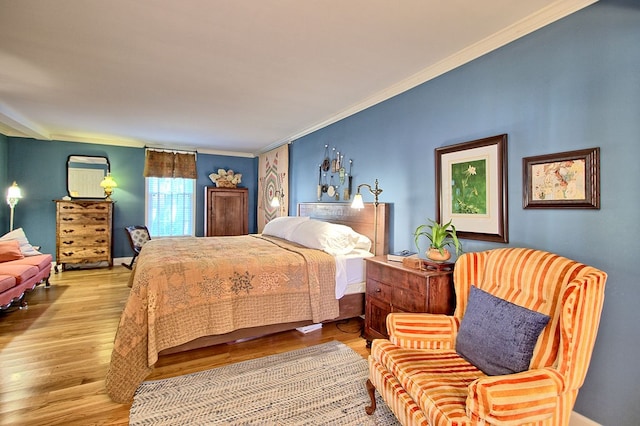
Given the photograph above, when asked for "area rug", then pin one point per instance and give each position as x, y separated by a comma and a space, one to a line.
318, 385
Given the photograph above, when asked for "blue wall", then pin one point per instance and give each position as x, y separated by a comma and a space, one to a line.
574, 84
39, 167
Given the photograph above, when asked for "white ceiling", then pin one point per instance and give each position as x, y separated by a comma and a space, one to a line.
232, 76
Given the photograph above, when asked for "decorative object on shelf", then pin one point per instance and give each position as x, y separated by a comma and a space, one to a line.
471, 182
226, 178
108, 183
359, 204
440, 236
569, 180
13, 196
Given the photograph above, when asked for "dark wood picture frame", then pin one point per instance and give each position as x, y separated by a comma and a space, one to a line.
482, 160
565, 180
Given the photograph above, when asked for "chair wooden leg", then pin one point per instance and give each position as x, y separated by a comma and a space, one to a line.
372, 395
130, 265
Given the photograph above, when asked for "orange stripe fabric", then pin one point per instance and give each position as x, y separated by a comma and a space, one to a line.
425, 382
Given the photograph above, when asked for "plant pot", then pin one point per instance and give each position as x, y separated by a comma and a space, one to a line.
435, 255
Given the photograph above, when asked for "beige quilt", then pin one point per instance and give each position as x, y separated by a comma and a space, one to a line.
186, 288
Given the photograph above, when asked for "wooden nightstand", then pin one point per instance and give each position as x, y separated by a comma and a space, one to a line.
392, 287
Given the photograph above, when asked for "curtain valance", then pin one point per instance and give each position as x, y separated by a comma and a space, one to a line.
170, 164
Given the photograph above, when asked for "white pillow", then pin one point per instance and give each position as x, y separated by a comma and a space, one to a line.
283, 227
18, 234
330, 237
364, 243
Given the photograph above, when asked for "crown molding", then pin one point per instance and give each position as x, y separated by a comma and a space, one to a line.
527, 25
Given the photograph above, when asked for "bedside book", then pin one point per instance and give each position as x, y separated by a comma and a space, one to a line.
400, 255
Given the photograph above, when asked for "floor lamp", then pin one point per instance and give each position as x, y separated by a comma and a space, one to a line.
359, 204
13, 195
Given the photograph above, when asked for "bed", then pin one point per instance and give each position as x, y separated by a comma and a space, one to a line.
188, 293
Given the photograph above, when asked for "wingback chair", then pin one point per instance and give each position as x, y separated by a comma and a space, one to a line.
426, 378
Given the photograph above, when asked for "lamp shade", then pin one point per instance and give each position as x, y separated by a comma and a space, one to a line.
275, 201
14, 192
357, 203
108, 182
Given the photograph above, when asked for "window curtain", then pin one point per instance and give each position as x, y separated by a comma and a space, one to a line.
164, 164
273, 175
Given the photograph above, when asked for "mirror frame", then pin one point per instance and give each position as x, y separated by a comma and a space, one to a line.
74, 156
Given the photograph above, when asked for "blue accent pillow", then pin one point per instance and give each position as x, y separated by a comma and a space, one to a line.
497, 336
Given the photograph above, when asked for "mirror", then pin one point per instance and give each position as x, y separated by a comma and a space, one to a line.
84, 174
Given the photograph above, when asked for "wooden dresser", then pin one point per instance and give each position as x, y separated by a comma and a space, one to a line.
226, 211
393, 288
83, 232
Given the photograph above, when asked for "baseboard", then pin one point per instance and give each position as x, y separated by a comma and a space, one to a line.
577, 419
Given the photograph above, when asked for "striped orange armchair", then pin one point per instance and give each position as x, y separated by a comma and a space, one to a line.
467, 369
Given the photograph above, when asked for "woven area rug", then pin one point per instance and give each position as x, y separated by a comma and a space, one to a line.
319, 385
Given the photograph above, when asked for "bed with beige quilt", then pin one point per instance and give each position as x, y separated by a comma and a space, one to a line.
193, 292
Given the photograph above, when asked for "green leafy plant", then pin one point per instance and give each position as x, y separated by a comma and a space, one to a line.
440, 236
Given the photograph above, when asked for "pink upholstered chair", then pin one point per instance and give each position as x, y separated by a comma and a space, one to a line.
423, 371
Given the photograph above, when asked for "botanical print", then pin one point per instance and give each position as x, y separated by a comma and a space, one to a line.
562, 180
469, 187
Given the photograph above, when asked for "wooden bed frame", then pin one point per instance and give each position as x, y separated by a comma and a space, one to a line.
351, 305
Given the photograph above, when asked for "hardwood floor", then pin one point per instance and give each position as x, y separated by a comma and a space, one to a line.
54, 354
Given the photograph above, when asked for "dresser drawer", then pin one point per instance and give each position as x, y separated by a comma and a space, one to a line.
83, 219
92, 240
83, 207
83, 254
69, 230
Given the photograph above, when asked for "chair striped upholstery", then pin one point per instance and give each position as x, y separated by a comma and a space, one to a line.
425, 382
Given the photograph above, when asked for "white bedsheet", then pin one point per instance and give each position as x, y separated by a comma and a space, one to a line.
350, 271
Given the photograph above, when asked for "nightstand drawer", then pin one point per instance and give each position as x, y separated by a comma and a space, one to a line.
378, 290
408, 301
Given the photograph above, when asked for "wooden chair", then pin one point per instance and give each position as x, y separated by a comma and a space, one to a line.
138, 235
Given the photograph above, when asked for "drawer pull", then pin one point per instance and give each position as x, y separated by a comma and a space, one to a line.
68, 231
68, 219
378, 290
99, 251
99, 219
68, 253
101, 241
100, 230
68, 242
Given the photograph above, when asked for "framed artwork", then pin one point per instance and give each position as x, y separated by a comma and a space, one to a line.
471, 188
567, 180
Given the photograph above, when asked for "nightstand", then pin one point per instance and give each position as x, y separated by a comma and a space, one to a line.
392, 287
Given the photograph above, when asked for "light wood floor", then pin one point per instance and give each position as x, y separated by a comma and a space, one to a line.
54, 354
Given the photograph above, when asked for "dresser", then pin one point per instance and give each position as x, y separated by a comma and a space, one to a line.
392, 287
226, 211
83, 232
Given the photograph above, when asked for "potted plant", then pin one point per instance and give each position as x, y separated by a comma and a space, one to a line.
440, 236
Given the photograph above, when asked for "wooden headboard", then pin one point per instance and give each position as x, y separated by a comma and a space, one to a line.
361, 221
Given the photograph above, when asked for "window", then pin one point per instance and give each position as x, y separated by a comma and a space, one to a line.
170, 206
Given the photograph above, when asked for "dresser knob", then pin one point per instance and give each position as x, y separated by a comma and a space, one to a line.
378, 290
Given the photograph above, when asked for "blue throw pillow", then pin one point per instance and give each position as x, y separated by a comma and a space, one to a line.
498, 336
